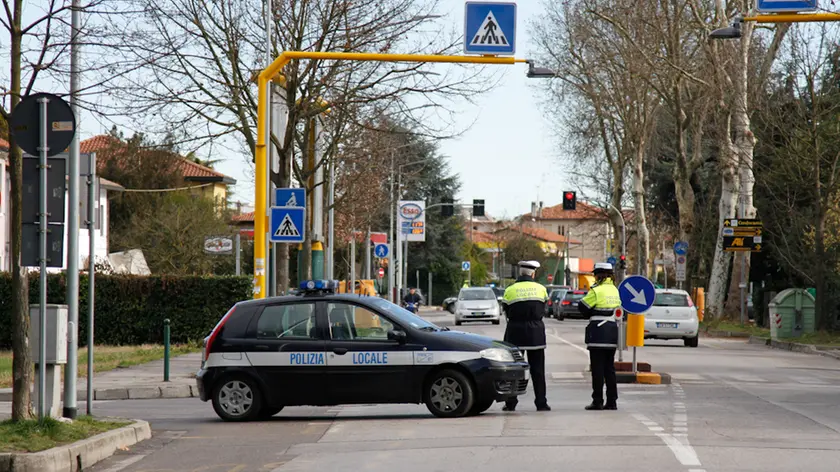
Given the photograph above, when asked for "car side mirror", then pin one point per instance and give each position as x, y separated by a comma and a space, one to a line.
397, 335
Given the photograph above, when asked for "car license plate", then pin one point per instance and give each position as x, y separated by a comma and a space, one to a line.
574, 304
478, 313
527, 374
667, 325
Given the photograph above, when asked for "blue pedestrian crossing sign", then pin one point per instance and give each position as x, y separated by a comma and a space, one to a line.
490, 28
465, 266
290, 197
381, 250
789, 6
286, 225
637, 294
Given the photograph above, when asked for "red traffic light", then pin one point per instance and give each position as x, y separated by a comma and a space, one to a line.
623, 257
569, 195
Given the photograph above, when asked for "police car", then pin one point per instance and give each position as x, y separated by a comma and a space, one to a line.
321, 348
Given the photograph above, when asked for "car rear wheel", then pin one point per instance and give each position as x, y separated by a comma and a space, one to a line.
449, 394
457, 323
692, 342
237, 399
495, 322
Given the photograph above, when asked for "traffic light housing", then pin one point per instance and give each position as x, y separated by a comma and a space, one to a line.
569, 200
622, 262
478, 208
447, 208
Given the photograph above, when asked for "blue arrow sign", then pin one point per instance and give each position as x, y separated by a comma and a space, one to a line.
790, 6
465, 266
637, 294
290, 197
490, 28
612, 260
381, 250
286, 225
681, 248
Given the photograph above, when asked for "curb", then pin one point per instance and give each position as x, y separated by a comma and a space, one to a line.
76, 456
727, 334
792, 346
139, 392
649, 378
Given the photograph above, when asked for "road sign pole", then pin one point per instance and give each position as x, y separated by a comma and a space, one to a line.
42, 245
91, 224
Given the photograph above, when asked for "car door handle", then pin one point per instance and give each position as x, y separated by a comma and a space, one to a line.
262, 347
340, 350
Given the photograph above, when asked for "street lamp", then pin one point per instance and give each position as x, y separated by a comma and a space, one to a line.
732, 31
535, 72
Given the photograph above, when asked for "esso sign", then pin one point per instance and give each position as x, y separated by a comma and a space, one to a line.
410, 211
618, 313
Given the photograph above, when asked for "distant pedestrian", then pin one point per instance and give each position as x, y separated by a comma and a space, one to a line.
602, 336
524, 303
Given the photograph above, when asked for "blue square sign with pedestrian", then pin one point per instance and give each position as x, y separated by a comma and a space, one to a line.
286, 225
490, 28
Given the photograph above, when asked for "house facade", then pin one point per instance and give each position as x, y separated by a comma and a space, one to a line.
100, 233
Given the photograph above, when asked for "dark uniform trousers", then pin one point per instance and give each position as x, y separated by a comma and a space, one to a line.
536, 359
602, 365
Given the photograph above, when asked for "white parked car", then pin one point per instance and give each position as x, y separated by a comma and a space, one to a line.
673, 316
477, 304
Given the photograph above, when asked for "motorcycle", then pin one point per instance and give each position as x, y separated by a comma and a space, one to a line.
412, 307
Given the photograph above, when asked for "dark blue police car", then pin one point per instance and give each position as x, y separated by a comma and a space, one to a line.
322, 348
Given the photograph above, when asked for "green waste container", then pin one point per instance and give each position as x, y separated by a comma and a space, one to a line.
792, 313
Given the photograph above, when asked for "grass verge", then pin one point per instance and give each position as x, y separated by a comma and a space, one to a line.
819, 338
32, 436
106, 358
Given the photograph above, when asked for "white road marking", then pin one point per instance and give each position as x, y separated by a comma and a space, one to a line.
125, 463
581, 349
809, 380
680, 429
746, 378
683, 452
644, 393
656, 428
641, 418
650, 423
687, 376
566, 375
680, 417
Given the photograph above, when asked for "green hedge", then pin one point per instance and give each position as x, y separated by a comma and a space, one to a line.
131, 309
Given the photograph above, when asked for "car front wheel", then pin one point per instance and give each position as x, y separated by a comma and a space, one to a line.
449, 394
237, 399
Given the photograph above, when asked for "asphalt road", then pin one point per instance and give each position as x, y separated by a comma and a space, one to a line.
732, 407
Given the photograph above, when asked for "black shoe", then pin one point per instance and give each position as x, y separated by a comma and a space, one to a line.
543, 408
509, 408
594, 406
611, 406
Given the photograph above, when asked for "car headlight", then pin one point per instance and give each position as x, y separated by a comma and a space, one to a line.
496, 354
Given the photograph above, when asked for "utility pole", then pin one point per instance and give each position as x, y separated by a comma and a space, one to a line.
71, 369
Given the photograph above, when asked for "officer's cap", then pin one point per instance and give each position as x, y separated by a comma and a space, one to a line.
529, 264
603, 266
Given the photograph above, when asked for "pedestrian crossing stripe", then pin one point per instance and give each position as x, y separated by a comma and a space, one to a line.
489, 33
287, 228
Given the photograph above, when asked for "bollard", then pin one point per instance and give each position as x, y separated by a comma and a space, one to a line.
635, 334
701, 303
166, 350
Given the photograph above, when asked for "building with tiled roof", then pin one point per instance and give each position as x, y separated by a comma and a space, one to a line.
207, 182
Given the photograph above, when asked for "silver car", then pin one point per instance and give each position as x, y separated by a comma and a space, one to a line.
673, 316
477, 304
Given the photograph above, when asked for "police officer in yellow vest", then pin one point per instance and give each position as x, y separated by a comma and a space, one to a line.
525, 305
602, 336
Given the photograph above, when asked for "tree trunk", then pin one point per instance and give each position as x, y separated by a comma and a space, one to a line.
21, 354
642, 233
823, 314
726, 209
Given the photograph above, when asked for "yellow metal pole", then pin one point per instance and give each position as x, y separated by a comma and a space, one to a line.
794, 18
261, 158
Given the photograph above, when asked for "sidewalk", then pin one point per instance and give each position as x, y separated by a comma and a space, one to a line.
139, 382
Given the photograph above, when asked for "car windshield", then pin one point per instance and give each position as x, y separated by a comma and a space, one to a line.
575, 296
401, 315
477, 294
670, 299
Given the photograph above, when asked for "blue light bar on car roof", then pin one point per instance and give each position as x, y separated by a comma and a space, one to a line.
318, 285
